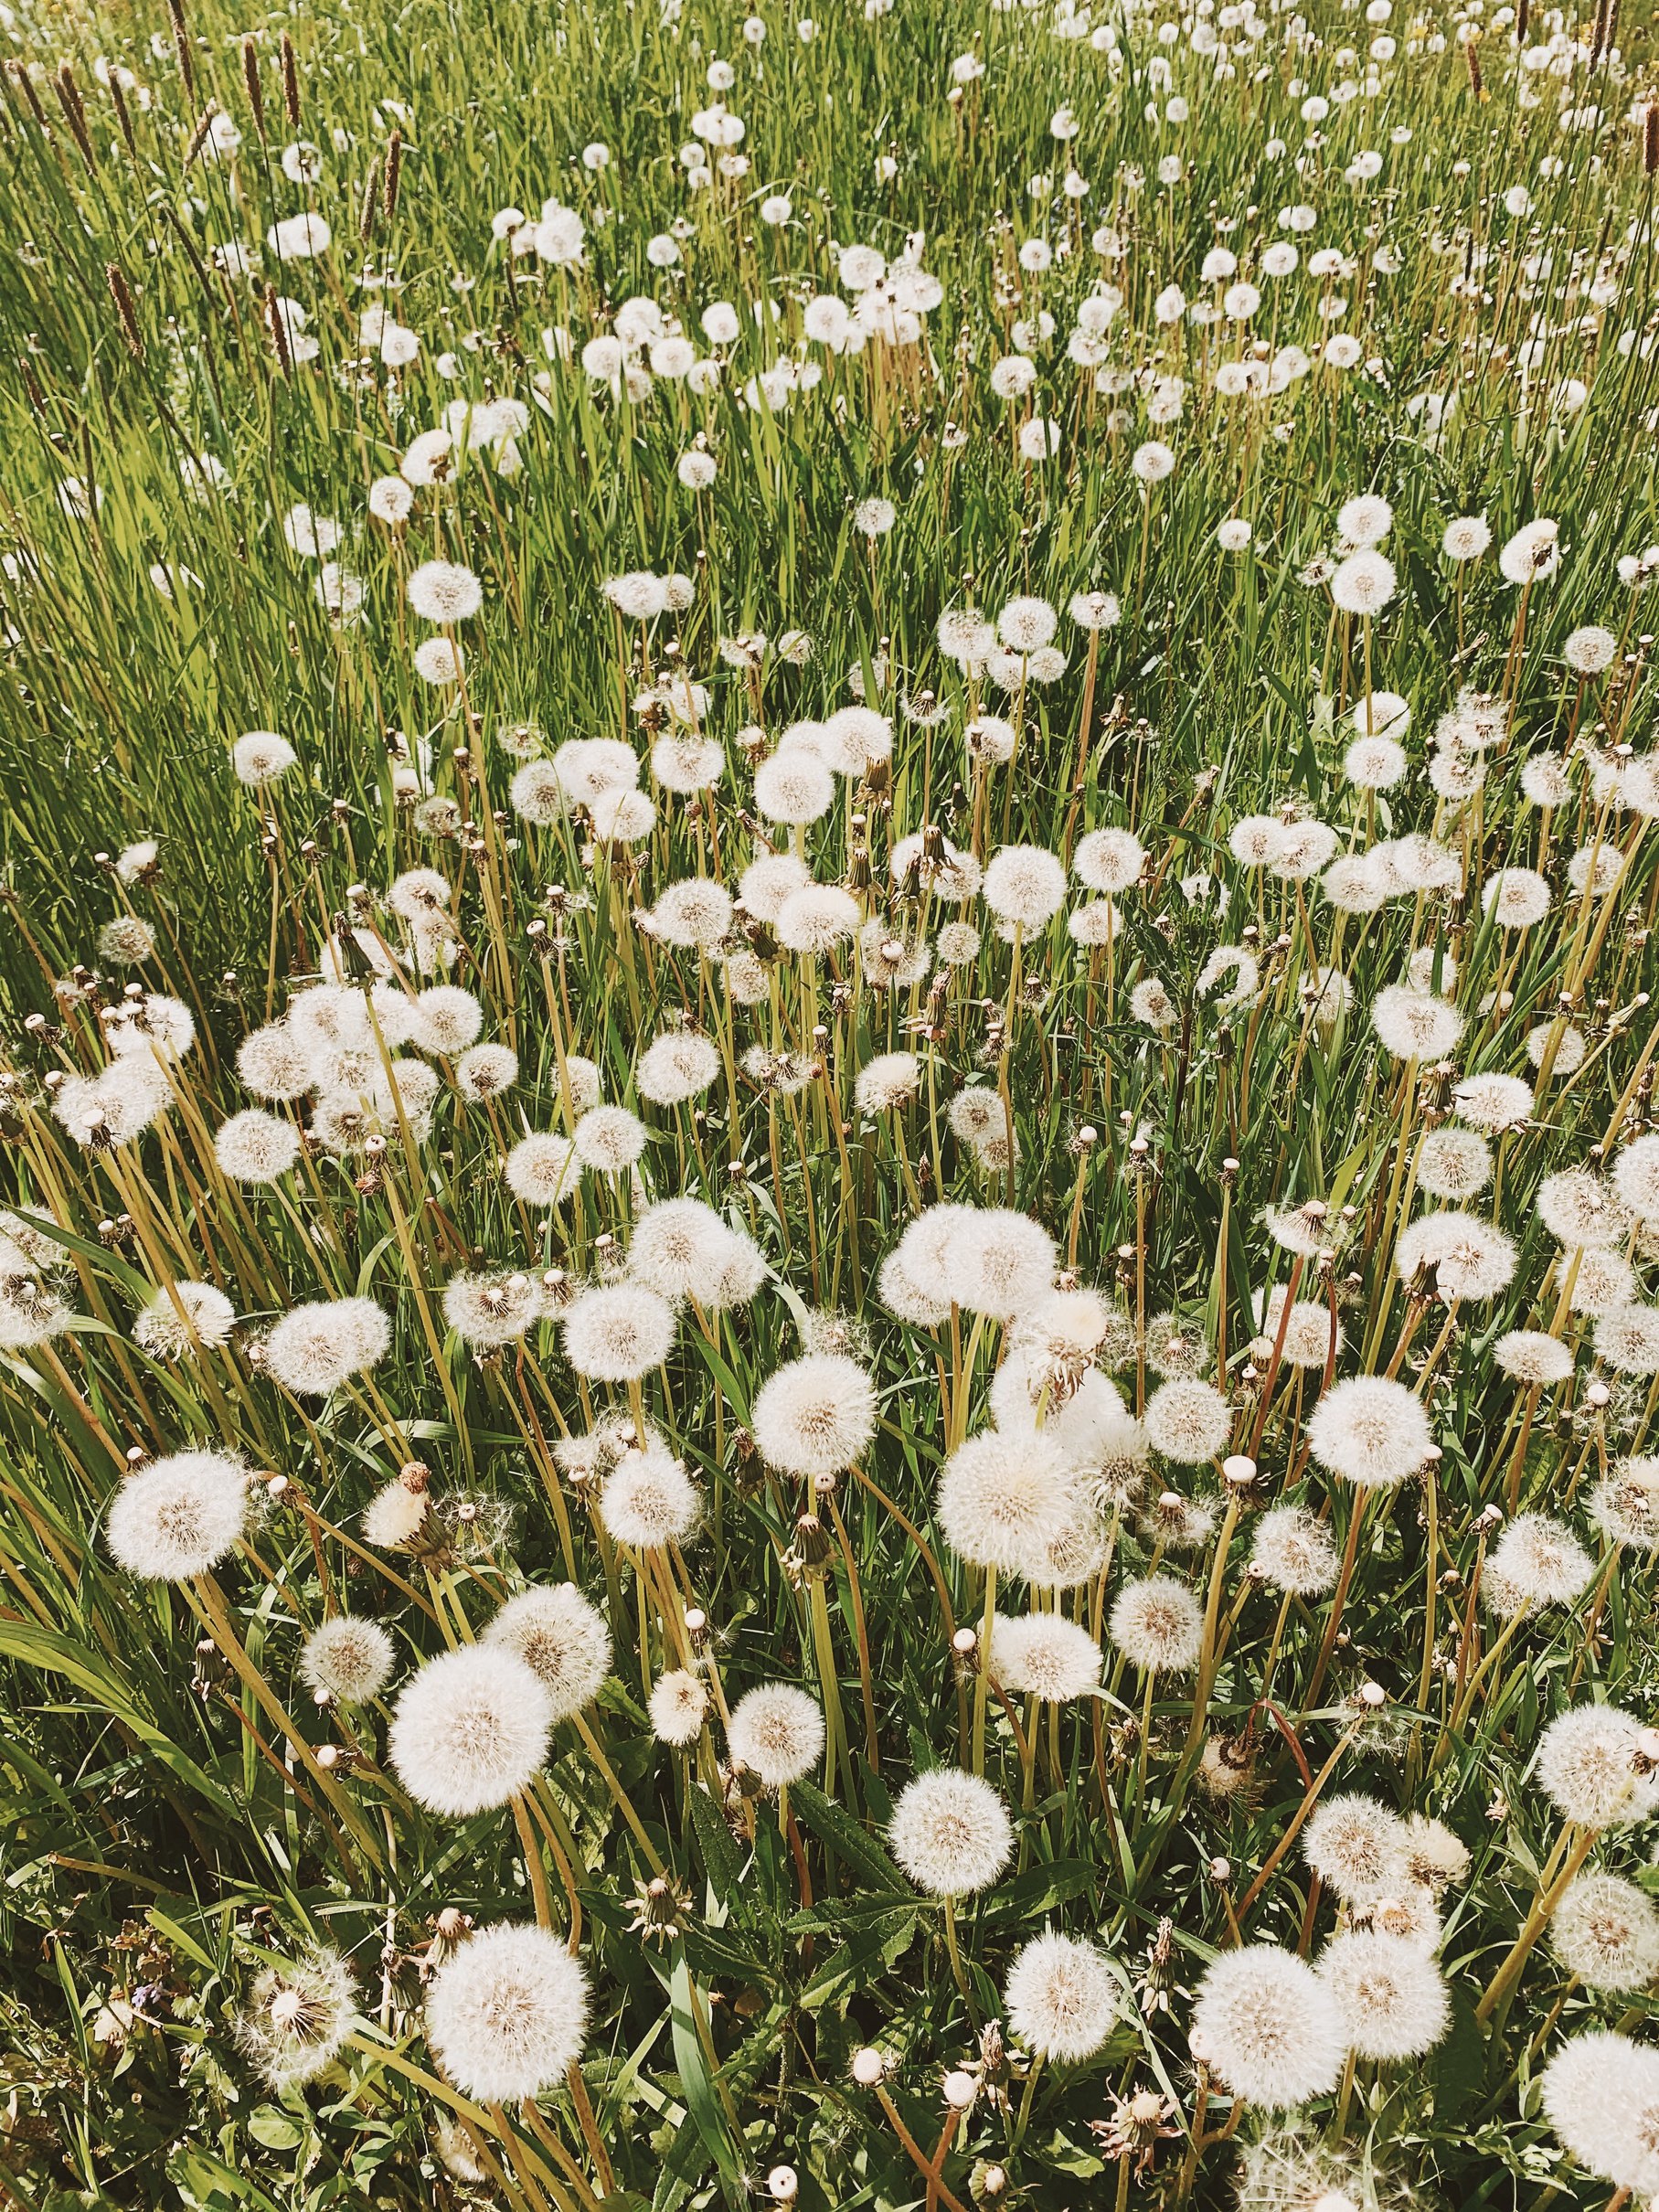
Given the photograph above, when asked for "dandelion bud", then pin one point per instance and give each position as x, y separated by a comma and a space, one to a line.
1220, 1870
869, 2067
960, 2088
782, 2184
1239, 1470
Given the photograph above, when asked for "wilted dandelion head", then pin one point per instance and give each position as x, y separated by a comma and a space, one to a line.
950, 1832
776, 1734
562, 1637
506, 2015
470, 1730
179, 1516
1268, 2028
347, 1659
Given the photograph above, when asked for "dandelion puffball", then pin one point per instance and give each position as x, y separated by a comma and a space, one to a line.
950, 1832
179, 1517
506, 2014
470, 1730
1269, 2027
815, 1415
776, 1734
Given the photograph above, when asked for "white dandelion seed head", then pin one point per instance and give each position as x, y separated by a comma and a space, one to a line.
469, 1731
678, 1066
814, 1416
950, 1832
678, 1706
316, 1347
506, 2014
1606, 1932
1062, 1997
1005, 1496
183, 1318
776, 1734
179, 1517
609, 1138
1371, 1430
649, 1500
1157, 1624
1388, 1992
541, 1169
562, 1637
1046, 1656
1356, 1845
618, 1333
1535, 1562
1291, 1550
1268, 2028
347, 1659
296, 2017
1471, 1258
1600, 2093
1188, 1421
1108, 860
1024, 886
1590, 1766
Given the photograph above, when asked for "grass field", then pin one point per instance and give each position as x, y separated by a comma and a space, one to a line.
827, 1330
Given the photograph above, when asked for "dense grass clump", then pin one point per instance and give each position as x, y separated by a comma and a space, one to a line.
829, 1282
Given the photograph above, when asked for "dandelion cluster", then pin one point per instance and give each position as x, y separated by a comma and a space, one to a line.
829, 1282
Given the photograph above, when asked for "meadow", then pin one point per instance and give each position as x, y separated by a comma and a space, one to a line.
829, 1277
